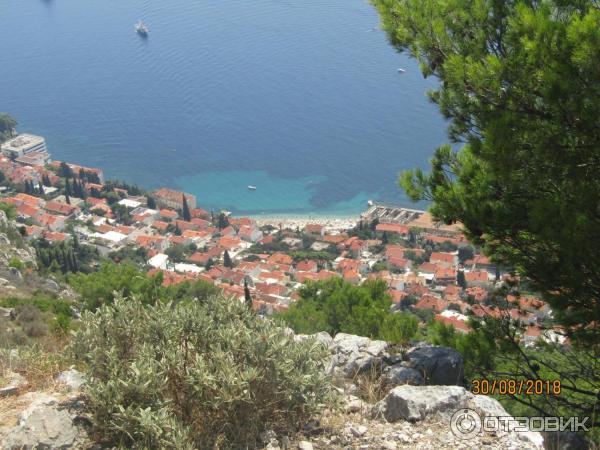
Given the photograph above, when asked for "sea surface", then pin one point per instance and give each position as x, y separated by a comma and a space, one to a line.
300, 98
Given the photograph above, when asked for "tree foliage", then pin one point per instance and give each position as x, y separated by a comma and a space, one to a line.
7, 127
111, 280
335, 306
519, 81
187, 216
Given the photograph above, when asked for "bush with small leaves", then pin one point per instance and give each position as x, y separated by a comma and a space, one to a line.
208, 374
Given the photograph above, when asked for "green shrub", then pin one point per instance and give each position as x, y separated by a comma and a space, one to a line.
336, 306
399, 328
10, 210
192, 374
16, 263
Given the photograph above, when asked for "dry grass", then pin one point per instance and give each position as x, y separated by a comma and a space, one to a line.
38, 365
9, 409
371, 385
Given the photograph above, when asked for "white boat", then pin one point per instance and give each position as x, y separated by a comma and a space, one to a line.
141, 29
251, 188
401, 70
370, 203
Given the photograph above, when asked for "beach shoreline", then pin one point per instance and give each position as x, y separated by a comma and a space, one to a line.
293, 221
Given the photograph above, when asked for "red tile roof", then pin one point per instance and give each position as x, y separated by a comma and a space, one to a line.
476, 276
306, 266
392, 228
168, 213
448, 258
428, 301
60, 208
313, 228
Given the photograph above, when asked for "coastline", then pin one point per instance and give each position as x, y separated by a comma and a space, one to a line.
330, 221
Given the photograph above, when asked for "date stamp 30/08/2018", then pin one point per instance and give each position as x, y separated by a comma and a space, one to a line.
509, 386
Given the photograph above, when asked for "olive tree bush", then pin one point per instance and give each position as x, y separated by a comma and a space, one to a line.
208, 374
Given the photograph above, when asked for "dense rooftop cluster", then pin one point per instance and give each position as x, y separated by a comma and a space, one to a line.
430, 269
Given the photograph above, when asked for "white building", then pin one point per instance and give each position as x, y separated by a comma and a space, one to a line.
159, 261
181, 267
24, 144
130, 203
111, 238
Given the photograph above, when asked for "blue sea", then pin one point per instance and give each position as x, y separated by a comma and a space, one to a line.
300, 98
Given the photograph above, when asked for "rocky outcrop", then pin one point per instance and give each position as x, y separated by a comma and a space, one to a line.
353, 355
420, 365
399, 374
11, 245
15, 382
45, 423
437, 365
423, 385
417, 402
323, 337
71, 379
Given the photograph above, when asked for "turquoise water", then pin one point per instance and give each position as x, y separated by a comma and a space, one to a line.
299, 98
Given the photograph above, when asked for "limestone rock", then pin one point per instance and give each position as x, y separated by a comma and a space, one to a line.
355, 354
358, 431
399, 374
323, 337
417, 402
440, 365
355, 404
305, 445
71, 378
44, 425
15, 382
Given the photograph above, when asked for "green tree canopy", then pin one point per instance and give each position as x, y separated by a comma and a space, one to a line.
103, 286
187, 216
7, 127
520, 84
335, 306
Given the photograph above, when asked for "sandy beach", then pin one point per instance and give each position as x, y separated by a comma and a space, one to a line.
293, 222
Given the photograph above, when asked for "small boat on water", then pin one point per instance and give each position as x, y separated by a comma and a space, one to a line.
370, 203
141, 29
401, 70
251, 188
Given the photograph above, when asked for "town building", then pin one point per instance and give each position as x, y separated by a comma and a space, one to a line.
23, 144
170, 198
33, 159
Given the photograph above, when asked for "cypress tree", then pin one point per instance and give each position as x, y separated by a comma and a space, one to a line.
68, 190
460, 279
186, 210
73, 264
247, 296
150, 202
227, 262
223, 222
